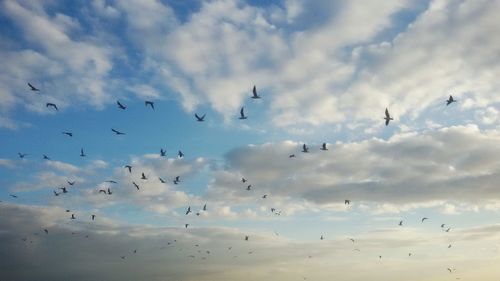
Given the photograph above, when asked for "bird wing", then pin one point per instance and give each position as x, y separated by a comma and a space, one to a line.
241, 112
387, 113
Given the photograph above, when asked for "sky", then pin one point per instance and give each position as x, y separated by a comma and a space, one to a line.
417, 198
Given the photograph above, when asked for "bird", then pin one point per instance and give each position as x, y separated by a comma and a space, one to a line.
352, 240
242, 114
180, 154
423, 219
450, 100
122, 257
249, 187
53, 105
70, 134
387, 117
246, 237
188, 210
161, 180
71, 182
400, 223
150, 103
162, 152
120, 105
305, 149
243, 180
449, 269
347, 202
22, 155
291, 156
254, 91
143, 177
129, 168
449, 246
46, 231
321, 238
442, 225
102, 191
186, 225
13, 196
73, 217
135, 251
81, 153
135, 184
205, 207
45, 157
409, 254
448, 230
55, 193
264, 196
111, 181
176, 180
323, 147
64, 190
117, 132
33, 88
198, 118
109, 191
93, 217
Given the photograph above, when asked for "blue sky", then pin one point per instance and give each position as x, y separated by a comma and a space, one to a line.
326, 72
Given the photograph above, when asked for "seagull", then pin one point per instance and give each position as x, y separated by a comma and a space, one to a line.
52, 104
347, 202
68, 134
409, 254
449, 269
291, 156
176, 180
64, 190
249, 187
423, 219
205, 207
180, 154
150, 103
304, 148
71, 182
129, 168
33, 88
198, 118
352, 240
323, 147
450, 100
400, 223
102, 191
122, 257
246, 237
45, 157
120, 105
22, 155
143, 177
264, 196
242, 114
55, 193
449, 246
387, 117
46, 231
111, 181
254, 91
163, 152
448, 230
81, 153
93, 217
321, 238
186, 225
135, 184
73, 217
442, 225
161, 180
243, 180
188, 210
109, 191
117, 132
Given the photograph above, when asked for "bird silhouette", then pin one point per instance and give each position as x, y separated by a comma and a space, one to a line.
22, 155
71, 182
73, 217
69, 134
442, 225
188, 210
93, 217
450, 100
45, 157
249, 187
109, 191
352, 240
247, 237
291, 156
305, 149
205, 207
129, 168
387, 117
243, 180
186, 225
423, 219
242, 114
254, 92
400, 223
162, 152
143, 177
64, 190
176, 180
117, 132
33, 88
150, 103
198, 118
321, 238
264, 196
180, 154
81, 153
46, 231
102, 191
161, 180
111, 181
55, 193
120, 105
323, 147
449, 246
53, 105
136, 185
347, 202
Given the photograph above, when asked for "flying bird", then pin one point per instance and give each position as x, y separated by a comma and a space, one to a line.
81, 153
161, 180
150, 103
254, 91
64, 190
423, 219
352, 240
264, 196
45, 157
387, 117
102, 191
323, 147
143, 177
400, 223
246, 237
117, 132
162, 152
73, 217
205, 207
321, 238
22, 155
186, 225
129, 168
291, 156
449, 246
33, 88
109, 191
120, 105
53, 105
442, 225
111, 181
243, 180
450, 100
242, 114
305, 149
198, 118
93, 217
135, 184
71, 182
69, 134
176, 180
249, 187
46, 231
188, 210
55, 193
180, 154
347, 202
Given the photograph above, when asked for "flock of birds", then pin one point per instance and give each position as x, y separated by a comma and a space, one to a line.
176, 180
